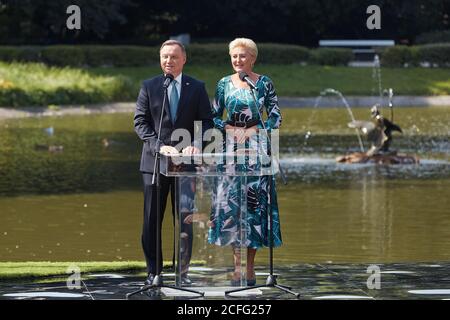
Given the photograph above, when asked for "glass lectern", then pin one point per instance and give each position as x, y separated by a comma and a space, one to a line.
211, 242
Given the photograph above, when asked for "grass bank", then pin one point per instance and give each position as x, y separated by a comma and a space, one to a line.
17, 270
309, 81
22, 270
26, 84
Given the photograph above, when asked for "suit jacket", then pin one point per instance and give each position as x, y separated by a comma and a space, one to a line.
193, 106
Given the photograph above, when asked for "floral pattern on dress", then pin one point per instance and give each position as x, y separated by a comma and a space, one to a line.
227, 227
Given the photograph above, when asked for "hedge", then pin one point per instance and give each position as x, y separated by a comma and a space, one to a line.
23, 53
217, 54
128, 56
433, 37
78, 56
121, 56
282, 54
437, 55
331, 56
211, 54
399, 56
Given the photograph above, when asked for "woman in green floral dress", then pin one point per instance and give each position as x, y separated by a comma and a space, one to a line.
234, 97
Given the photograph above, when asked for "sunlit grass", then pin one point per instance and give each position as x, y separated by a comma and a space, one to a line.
25, 84
37, 84
9, 270
309, 81
15, 270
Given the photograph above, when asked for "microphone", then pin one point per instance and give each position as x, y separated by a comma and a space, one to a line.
168, 79
244, 77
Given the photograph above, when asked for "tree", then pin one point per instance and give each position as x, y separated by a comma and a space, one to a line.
40, 21
302, 22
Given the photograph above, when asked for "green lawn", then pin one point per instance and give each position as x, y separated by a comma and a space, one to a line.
10, 270
296, 80
24, 84
20, 270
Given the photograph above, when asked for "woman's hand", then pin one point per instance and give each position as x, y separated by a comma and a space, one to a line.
242, 134
189, 151
237, 132
252, 130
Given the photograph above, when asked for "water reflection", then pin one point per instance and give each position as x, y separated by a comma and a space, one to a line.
84, 202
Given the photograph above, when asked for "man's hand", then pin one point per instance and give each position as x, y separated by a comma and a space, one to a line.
189, 219
188, 151
195, 217
168, 150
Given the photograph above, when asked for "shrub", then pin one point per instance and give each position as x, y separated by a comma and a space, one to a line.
97, 56
398, 56
119, 56
440, 36
208, 54
23, 53
436, 54
270, 53
76, 56
134, 56
63, 56
331, 56
9, 54
30, 54
14, 97
131, 56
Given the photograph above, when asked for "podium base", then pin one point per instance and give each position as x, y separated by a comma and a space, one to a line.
271, 282
158, 284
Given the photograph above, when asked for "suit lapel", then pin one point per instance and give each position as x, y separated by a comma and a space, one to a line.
184, 96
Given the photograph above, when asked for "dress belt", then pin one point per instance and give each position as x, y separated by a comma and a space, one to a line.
243, 124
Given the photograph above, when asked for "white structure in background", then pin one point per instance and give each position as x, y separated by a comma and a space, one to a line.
363, 50
184, 38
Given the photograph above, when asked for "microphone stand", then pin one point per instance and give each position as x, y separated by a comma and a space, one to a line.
244, 77
271, 281
157, 280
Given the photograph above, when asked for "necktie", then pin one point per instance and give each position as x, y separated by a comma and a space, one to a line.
174, 101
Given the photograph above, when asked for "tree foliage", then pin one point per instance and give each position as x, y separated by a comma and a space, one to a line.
301, 22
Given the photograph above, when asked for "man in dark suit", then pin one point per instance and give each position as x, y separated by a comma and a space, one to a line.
186, 101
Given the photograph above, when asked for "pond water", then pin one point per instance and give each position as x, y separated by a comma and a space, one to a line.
70, 190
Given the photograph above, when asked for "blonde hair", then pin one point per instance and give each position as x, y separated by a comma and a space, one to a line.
171, 43
246, 43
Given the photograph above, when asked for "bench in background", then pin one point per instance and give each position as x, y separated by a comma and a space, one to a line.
363, 50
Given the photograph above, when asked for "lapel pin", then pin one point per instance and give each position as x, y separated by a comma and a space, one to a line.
187, 83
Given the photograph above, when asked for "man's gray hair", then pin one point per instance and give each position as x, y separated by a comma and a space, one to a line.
171, 43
